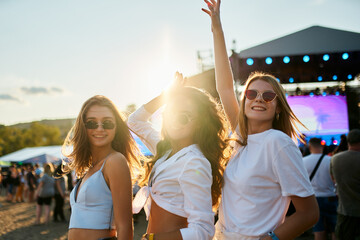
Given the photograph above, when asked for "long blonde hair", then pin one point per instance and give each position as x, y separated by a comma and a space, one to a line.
80, 156
211, 135
286, 121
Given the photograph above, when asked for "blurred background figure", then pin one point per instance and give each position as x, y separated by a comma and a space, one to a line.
60, 190
317, 165
343, 145
12, 183
44, 193
345, 169
31, 181
20, 188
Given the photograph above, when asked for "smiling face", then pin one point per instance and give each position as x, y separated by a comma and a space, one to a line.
104, 118
257, 110
180, 119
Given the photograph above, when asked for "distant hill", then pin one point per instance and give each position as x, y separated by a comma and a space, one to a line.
63, 124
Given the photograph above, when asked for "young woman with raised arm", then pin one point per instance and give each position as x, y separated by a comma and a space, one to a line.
266, 171
185, 176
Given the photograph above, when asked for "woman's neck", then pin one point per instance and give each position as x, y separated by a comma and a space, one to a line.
99, 153
178, 145
258, 127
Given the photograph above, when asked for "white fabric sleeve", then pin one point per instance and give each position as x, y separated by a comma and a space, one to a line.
195, 182
139, 124
290, 171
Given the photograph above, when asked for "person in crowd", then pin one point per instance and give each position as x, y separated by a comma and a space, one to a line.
60, 190
345, 169
20, 189
12, 183
343, 145
44, 193
267, 170
31, 181
317, 165
24, 170
102, 152
185, 176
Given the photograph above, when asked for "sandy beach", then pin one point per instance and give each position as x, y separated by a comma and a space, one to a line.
17, 223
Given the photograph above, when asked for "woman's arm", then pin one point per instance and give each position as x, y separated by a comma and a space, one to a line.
117, 175
223, 74
306, 215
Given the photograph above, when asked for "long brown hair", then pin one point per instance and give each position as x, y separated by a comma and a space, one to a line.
80, 154
211, 135
286, 120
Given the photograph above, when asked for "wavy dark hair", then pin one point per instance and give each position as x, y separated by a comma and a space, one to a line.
78, 142
211, 135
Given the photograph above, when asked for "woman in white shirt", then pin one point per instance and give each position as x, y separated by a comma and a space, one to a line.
185, 177
266, 171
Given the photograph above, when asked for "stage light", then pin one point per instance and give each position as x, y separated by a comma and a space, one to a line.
286, 59
320, 78
311, 94
334, 77
324, 94
249, 61
268, 60
326, 57
349, 76
291, 80
337, 93
323, 142
277, 79
335, 142
306, 58
345, 56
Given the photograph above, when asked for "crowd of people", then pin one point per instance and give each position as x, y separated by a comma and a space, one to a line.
37, 184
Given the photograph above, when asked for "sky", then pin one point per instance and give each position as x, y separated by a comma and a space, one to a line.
54, 55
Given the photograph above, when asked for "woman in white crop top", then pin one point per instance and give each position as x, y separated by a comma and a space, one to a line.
102, 150
185, 177
266, 171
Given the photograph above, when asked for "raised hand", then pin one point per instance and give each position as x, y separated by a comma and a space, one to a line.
214, 12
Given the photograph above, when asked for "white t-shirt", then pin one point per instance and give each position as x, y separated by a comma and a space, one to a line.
321, 182
258, 181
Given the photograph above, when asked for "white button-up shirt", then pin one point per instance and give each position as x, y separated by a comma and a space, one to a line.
180, 184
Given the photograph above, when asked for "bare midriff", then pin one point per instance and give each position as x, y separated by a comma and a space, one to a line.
90, 234
161, 220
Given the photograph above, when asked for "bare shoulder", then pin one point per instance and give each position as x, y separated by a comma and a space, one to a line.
116, 163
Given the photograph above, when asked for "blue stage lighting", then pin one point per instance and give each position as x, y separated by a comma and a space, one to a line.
277, 79
286, 95
345, 56
291, 80
268, 60
335, 77
324, 94
286, 59
320, 78
337, 93
250, 61
306, 58
326, 57
311, 94
349, 76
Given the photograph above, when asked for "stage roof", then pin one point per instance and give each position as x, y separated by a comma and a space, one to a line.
312, 40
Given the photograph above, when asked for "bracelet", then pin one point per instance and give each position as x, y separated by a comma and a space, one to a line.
148, 236
273, 236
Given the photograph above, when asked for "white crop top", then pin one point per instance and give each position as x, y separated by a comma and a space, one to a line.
180, 184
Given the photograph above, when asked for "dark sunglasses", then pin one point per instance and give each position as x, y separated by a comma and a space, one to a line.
267, 96
105, 124
179, 120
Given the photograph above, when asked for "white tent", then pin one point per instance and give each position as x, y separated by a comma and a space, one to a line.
35, 155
